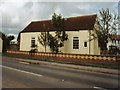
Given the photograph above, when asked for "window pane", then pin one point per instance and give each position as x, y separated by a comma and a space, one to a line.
118, 41
85, 44
32, 42
75, 43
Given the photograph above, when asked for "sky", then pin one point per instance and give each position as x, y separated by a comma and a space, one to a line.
15, 15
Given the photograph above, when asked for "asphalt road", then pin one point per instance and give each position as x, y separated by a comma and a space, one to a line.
16, 74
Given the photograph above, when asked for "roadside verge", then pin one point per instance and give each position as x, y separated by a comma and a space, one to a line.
78, 67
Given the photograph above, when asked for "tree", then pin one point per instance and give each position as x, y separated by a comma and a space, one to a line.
6, 41
106, 26
54, 41
60, 34
43, 39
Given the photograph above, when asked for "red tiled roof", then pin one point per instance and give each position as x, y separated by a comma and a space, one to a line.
116, 37
71, 24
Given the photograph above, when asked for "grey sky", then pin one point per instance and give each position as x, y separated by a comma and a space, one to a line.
15, 16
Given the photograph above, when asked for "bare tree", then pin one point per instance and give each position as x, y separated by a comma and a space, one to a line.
106, 26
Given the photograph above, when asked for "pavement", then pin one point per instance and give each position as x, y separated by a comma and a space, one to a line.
78, 67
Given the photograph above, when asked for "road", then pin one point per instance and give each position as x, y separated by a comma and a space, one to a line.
16, 74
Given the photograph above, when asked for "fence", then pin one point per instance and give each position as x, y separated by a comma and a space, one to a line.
76, 58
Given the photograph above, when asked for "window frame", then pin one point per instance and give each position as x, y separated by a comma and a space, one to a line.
84, 44
75, 43
32, 41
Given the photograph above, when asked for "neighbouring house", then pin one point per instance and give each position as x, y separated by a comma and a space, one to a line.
1, 43
79, 30
114, 44
116, 41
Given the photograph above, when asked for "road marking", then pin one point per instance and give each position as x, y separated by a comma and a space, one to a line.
99, 88
24, 62
21, 70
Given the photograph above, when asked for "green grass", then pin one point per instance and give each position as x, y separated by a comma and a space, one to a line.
110, 66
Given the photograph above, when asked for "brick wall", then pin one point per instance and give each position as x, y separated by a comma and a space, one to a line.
76, 58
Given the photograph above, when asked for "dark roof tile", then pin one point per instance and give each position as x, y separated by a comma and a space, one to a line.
71, 24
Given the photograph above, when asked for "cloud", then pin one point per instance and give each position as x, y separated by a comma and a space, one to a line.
17, 15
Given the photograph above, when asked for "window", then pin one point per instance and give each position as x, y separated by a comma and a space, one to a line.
75, 43
114, 41
33, 42
85, 44
118, 41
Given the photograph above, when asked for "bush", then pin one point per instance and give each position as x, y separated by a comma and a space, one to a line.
32, 51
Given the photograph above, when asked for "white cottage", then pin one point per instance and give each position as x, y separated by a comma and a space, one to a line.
79, 30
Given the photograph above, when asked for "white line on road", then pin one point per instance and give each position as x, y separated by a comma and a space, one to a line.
99, 88
24, 62
21, 70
